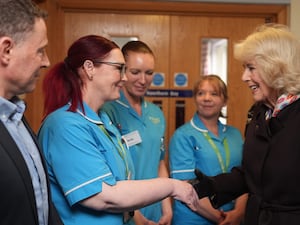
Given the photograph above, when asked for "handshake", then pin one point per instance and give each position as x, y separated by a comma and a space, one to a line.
203, 185
219, 193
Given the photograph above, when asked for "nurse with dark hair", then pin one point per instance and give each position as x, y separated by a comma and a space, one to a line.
90, 167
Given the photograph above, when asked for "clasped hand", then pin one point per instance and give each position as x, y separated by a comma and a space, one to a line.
202, 184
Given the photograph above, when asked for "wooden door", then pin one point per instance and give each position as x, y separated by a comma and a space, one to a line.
173, 30
152, 29
185, 56
176, 42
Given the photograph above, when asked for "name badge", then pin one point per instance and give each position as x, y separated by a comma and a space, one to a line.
132, 138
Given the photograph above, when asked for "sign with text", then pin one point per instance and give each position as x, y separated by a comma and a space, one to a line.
169, 93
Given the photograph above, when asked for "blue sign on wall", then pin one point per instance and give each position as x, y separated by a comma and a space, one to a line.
158, 79
180, 79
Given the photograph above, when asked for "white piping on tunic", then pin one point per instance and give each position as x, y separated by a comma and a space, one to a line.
127, 106
197, 128
89, 119
202, 130
98, 122
182, 171
122, 103
86, 183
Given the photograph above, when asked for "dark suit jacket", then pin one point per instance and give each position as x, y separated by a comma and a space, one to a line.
17, 200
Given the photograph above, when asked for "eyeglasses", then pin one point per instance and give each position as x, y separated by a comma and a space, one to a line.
120, 66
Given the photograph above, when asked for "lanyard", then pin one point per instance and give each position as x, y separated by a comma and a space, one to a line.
120, 148
217, 151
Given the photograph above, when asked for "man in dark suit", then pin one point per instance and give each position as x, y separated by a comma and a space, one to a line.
24, 187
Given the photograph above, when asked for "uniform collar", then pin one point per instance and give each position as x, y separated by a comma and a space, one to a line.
198, 124
124, 102
89, 114
99, 119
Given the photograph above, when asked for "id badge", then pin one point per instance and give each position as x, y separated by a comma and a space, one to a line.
132, 138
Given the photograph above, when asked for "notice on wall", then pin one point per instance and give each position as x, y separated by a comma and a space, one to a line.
180, 79
169, 93
158, 79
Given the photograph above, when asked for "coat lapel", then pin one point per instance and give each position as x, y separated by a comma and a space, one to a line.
11, 148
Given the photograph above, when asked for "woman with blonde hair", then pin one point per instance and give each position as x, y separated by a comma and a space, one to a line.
271, 154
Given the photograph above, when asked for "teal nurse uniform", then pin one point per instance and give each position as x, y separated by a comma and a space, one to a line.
190, 148
80, 157
144, 135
